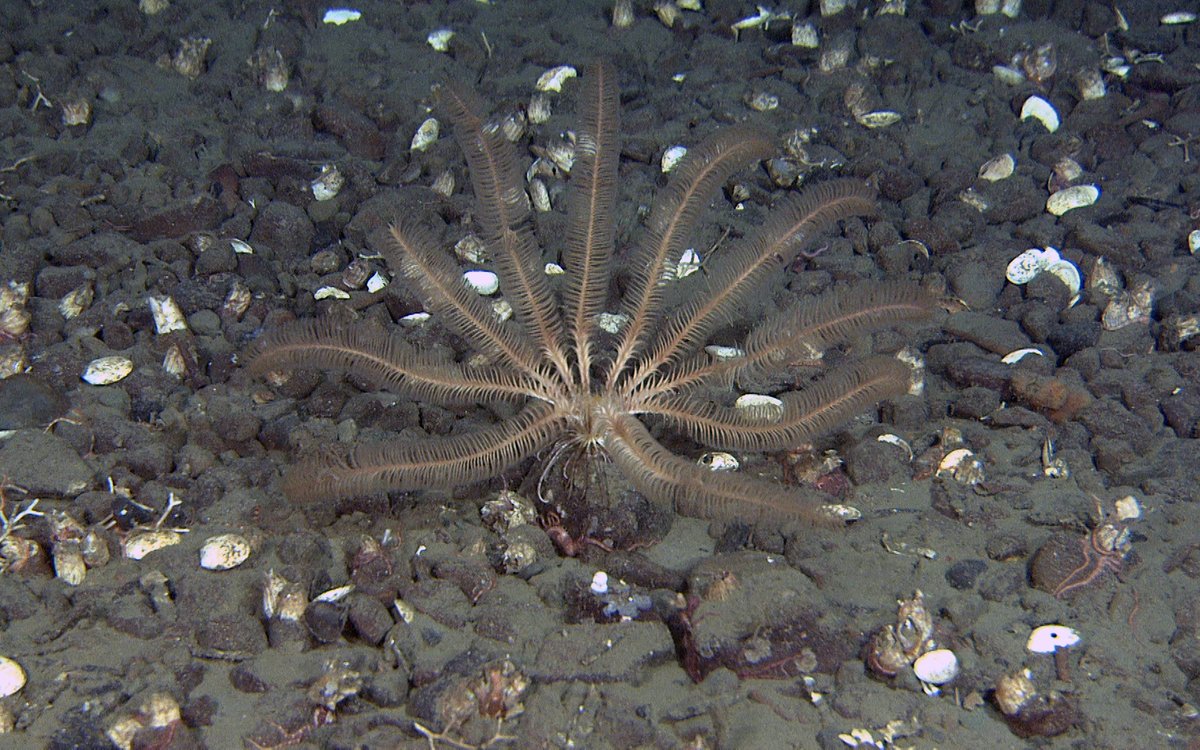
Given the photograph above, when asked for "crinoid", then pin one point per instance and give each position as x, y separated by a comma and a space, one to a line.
574, 384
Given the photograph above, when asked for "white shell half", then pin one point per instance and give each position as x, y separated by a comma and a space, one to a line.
997, 168
1178, 17
426, 134
553, 79
376, 282
339, 16
1049, 638
167, 315
1067, 273
756, 401
671, 157
1040, 110
612, 322
414, 319
880, 119
724, 352
241, 247
1128, 508
553, 269
224, 552
1030, 263
1014, 357
1193, 241
330, 292
482, 282
688, 264
141, 543
440, 39
719, 461
107, 370
1076, 196
936, 667
12, 677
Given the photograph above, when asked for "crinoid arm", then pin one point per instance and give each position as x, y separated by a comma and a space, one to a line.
696, 491
433, 462
386, 359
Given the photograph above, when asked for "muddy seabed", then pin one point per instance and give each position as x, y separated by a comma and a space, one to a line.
131, 160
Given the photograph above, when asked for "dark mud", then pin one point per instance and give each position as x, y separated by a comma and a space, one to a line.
476, 634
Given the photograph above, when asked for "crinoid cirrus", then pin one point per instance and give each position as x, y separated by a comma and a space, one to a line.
571, 384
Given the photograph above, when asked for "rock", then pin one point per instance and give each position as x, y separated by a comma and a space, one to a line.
25, 401
44, 464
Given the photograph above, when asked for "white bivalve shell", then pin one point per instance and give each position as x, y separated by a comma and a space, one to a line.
760, 405
1041, 110
612, 322
553, 79
12, 677
414, 319
426, 134
997, 168
936, 667
224, 552
167, 315
879, 119
1076, 196
141, 543
440, 39
671, 157
719, 461
107, 370
718, 351
1049, 638
1067, 273
484, 283
688, 264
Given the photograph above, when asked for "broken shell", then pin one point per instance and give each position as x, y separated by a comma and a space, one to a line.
426, 134
962, 465
484, 283
936, 667
141, 543
224, 552
761, 101
841, 512
671, 157
719, 461
167, 315
1127, 308
69, 566
471, 249
440, 39
1177, 17
1067, 273
76, 112
553, 269
622, 14
328, 183
667, 12
914, 626
1128, 508
724, 352
879, 119
270, 69
241, 247
76, 301
539, 195
189, 58
885, 657
107, 370
612, 322
12, 677
554, 78
508, 511
1014, 357
330, 292
688, 264
997, 168
1049, 638
1030, 263
443, 184
1041, 110
414, 319
1076, 196
804, 35
1193, 241
340, 16
502, 309
897, 441
760, 405
94, 549
1091, 84
376, 282
1014, 691
539, 108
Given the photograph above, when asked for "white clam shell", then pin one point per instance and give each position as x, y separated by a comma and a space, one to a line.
1016, 356
376, 282
879, 119
439, 39
936, 667
1049, 638
599, 583
1076, 196
339, 16
331, 292
997, 168
241, 247
719, 461
485, 283
107, 370
688, 264
12, 677
671, 157
1128, 508
612, 322
757, 400
1030, 263
426, 134
724, 352
141, 543
952, 459
167, 315
553, 269
1178, 17
554, 78
1042, 111
414, 319
224, 552
1193, 241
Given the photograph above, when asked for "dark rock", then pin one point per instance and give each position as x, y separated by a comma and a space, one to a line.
232, 632
44, 464
284, 228
963, 574
244, 679
871, 461
370, 618
325, 621
987, 332
976, 403
25, 401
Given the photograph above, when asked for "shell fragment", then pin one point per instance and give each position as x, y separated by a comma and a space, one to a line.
340, 16
12, 677
224, 552
1049, 638
554, 78
719, 461
107, 370
426, 134
1076, 196
1041, 110
671, 157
